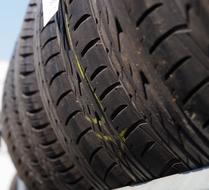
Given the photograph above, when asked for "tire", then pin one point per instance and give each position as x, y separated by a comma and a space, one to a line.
69, 118
13, 134
111, 87
32, 161
122, 88
176, 74
126, 54
59, 168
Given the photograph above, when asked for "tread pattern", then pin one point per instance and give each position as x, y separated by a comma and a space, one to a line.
57, 163
9, 132
106, 101
174, 63
70, 115
109, 87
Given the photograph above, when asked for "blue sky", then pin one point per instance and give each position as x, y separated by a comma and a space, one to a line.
11, 16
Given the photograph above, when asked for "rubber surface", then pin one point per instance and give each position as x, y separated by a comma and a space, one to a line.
143, 67
72, 121
11, 132
57, 164
45, 156
111, 93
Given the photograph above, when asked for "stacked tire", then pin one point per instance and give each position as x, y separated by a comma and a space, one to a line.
108, 93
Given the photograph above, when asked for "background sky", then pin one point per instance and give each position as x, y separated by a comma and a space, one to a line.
11, 17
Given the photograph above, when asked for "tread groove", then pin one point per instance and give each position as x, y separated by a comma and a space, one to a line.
41, 126
71, 116
54, 157
48, 144
119, 31
49, 23
109, 90
51, 57
133, 127
94, 153
55, 76
195, 90
24, 55
169, 165
145, 83
30, 93
117, 111
97, 72
109, 170
48, 41
176, 66
91, 44
82, 135
62, 96
66, 170
27, 37
147, 13
35, 111
81, 20
29, 19
147, 147
26, 73
178, 28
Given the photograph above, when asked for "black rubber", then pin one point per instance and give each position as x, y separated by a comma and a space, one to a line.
176, 72
42, 157
110, 93
148, 76
59, 167
13, 133
167, 68
70, 118
127, 126
14, 123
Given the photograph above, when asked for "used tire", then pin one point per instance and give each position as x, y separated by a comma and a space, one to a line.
13, 134
93, 34
147, 76
58, 166
111, 93
69, 115
167, 77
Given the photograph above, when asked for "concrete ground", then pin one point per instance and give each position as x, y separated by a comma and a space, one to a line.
195, 180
